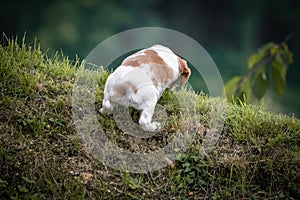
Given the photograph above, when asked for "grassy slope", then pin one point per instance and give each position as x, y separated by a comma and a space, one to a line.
42, 157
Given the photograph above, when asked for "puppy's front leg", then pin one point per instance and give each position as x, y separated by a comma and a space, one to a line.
145, 120
107, 107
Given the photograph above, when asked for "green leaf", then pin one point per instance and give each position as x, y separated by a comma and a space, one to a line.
272, 47
22, 189
245, 87
254, 58
245, 90
278, 76
231, 86
259, 83
279, 61
27, 180
287, 56
3, 183
132, 184
262, 53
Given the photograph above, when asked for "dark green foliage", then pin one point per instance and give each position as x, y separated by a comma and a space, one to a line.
267, 68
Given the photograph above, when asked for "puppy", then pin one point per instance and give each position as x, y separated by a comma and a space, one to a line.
140, 81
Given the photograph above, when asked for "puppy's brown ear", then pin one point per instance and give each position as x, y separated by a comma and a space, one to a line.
184, 71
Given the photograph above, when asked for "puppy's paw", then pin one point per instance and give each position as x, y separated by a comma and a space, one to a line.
104, 111
156, 125
152, 127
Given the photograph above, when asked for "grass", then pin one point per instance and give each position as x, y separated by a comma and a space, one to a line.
42, 157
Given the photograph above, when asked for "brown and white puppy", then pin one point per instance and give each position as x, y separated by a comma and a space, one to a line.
140, 81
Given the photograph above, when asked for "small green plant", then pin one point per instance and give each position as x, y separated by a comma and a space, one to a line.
267, 68
3, 184
191, 174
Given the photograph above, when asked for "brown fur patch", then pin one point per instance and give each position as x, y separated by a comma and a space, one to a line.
184, 70
162, 73
148, 56
121, 89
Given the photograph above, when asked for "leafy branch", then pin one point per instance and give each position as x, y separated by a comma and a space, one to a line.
266, 68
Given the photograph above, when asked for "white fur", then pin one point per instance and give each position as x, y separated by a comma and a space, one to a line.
142, 94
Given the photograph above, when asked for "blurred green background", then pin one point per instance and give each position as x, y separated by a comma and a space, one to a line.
229, 30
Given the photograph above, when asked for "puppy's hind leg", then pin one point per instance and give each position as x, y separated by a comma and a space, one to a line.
145, 120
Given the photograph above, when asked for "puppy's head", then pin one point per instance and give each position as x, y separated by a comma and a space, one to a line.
184, 71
